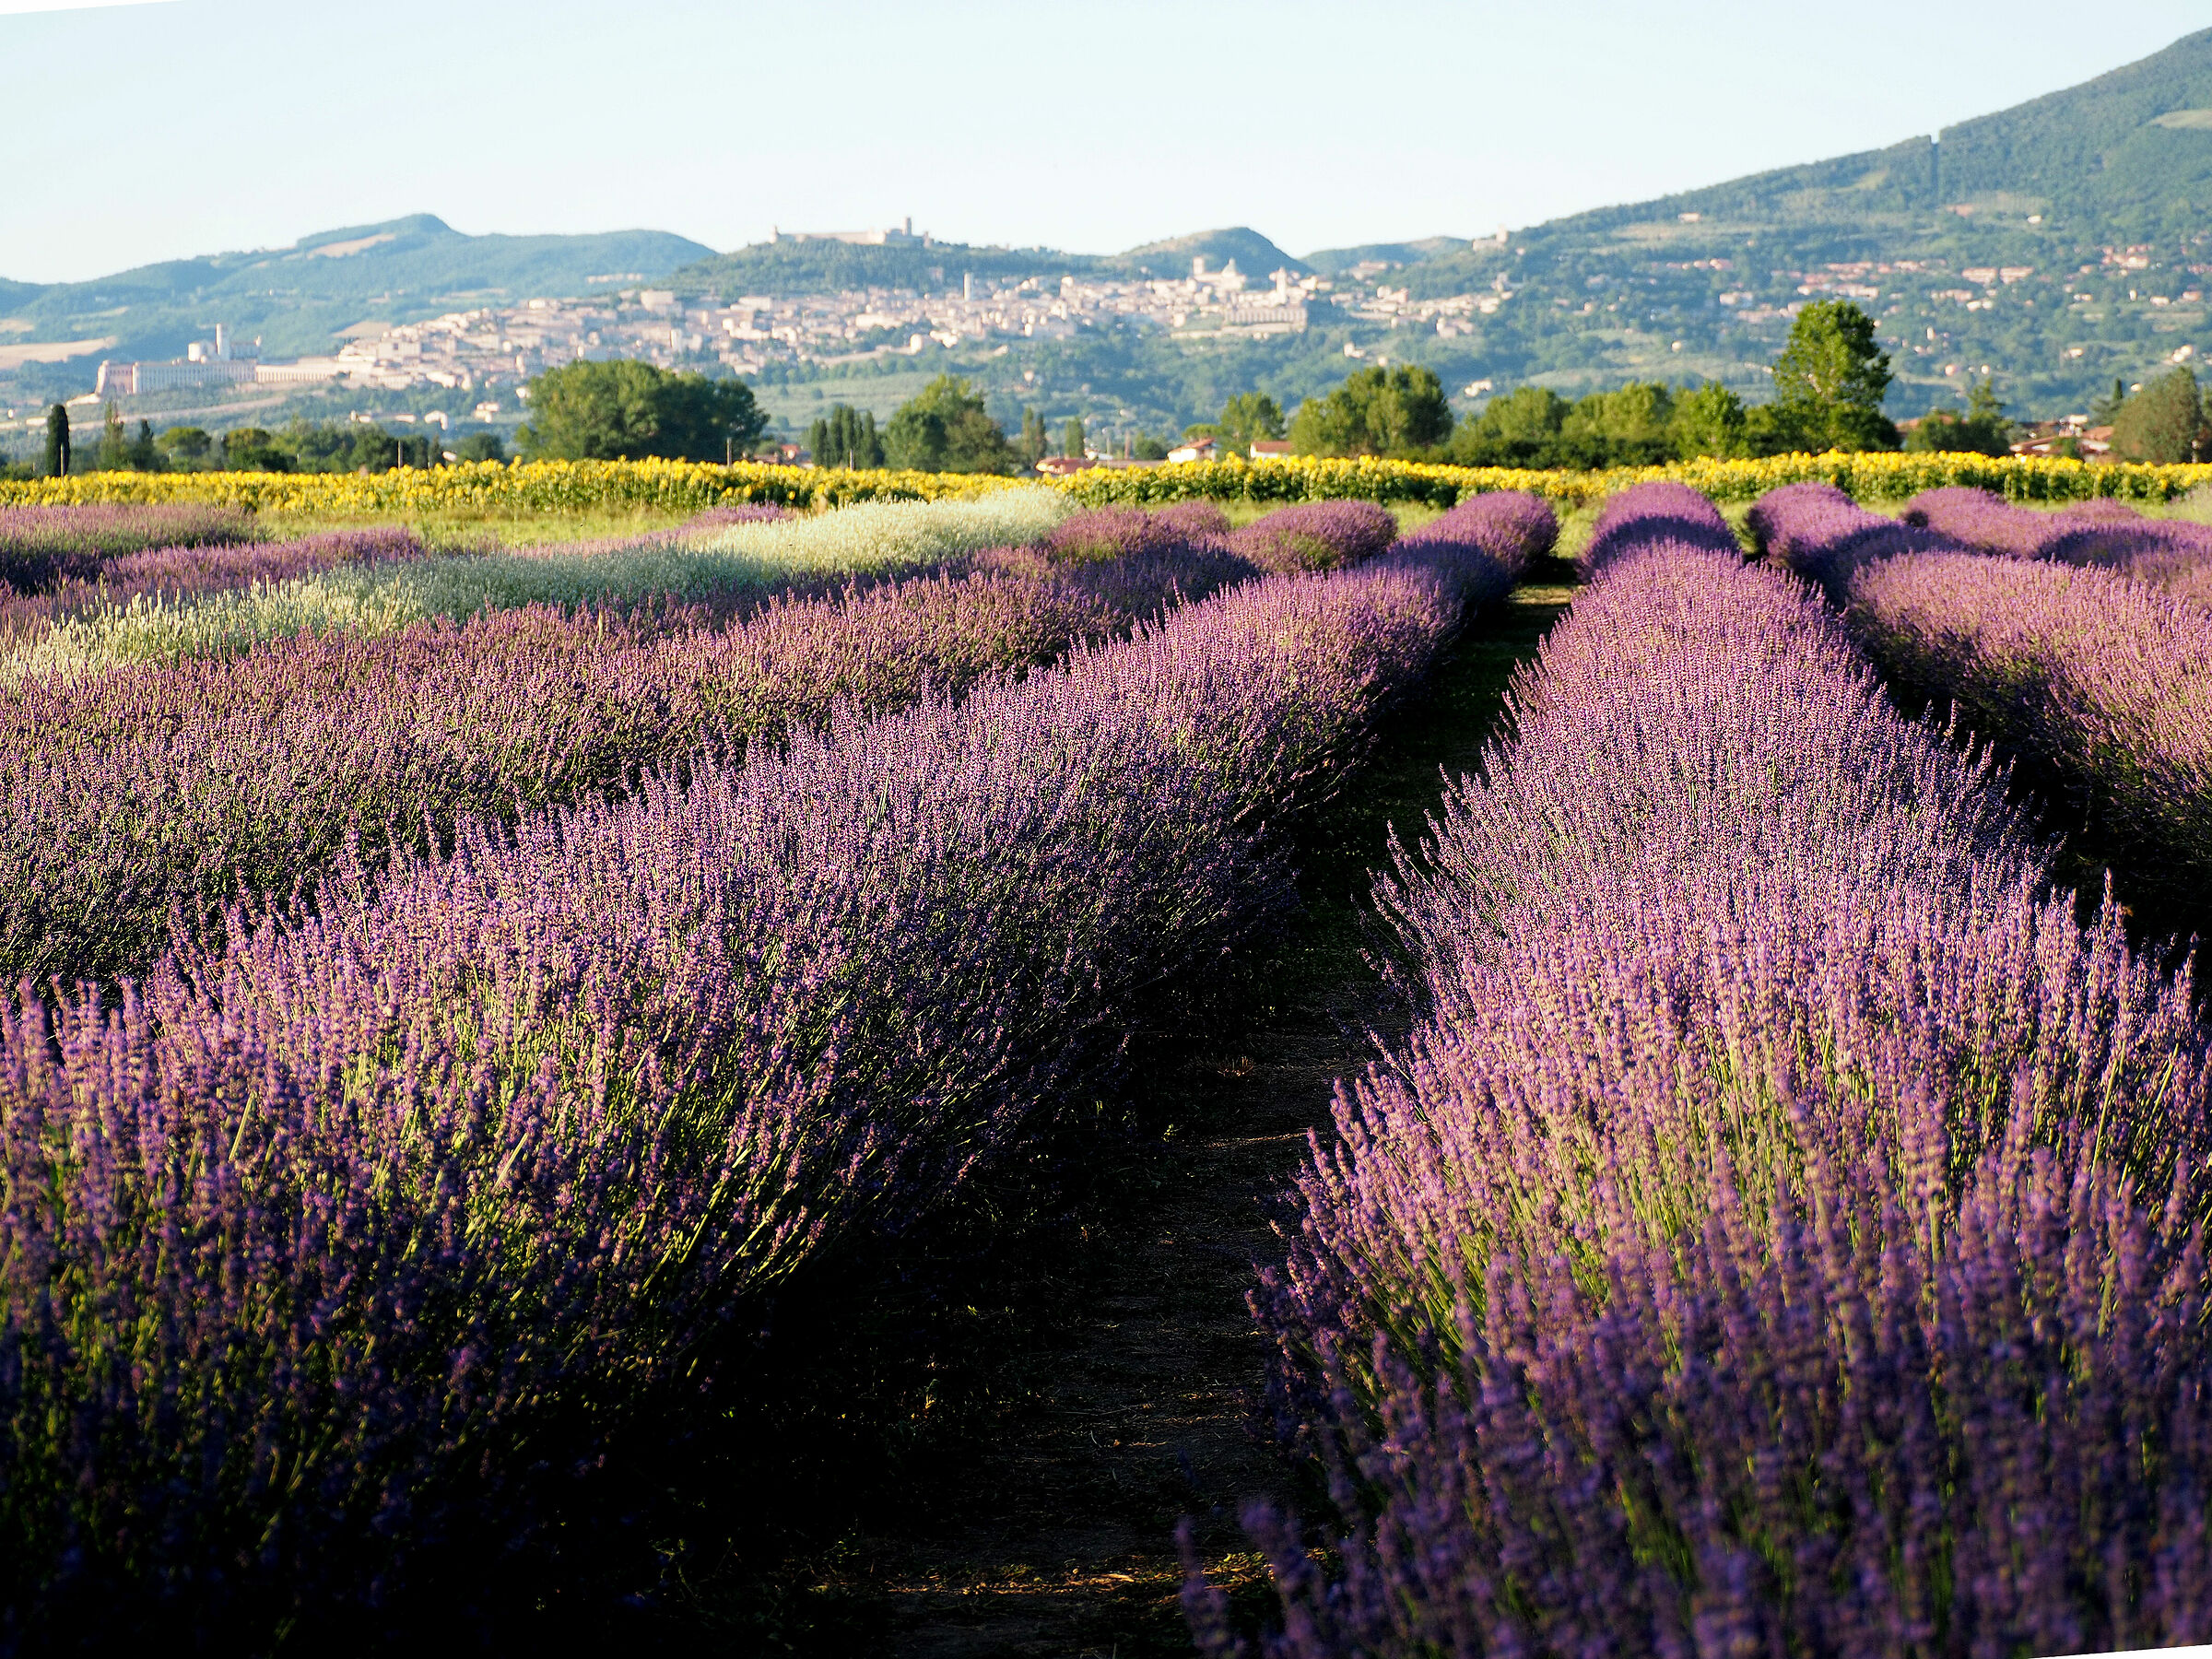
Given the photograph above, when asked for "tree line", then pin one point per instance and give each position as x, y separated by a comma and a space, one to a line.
303, 446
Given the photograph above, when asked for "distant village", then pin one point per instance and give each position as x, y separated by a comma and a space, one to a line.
487, 355
493, 351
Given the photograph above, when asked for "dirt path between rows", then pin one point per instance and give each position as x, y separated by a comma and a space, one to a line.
1057, 1538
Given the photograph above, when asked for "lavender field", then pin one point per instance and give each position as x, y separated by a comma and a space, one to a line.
478, 1020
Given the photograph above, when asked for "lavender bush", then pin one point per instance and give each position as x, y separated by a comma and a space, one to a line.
2168, 553
39, 546
334, 1225
1633, 518
1317, 536
1823, 534
733, 567
1780, 1231
742, 512
2105, 680
1120, 532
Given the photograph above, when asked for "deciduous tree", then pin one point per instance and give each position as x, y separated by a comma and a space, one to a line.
629, 410
946, 428
1983, 429
1708, 420
2164, 421
1830, 381
1376, 411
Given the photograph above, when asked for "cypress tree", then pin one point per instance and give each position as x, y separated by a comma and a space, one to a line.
1071, 437
57, 442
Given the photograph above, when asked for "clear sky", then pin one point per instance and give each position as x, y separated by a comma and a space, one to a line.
150, 131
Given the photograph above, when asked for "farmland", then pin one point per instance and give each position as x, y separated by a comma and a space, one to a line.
743, 1078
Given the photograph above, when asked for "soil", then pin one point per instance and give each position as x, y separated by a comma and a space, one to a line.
1132, 1400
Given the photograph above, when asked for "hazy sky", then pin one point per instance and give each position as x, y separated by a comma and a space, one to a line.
150, 131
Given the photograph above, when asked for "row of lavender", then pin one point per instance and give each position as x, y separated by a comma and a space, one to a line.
2173, 554
150, 797
2099, 674
323, 1241
1782, 1231
58, 562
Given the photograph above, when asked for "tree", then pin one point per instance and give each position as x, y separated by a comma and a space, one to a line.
1626, 427
114, 444
57, 442
1376, 412
1035, 441
1983, 429
1145, 447
845, 437
1708, 420
1073, 443
145, 457
946, 428
481, 446
254, 449
629, 410
1829, 380
2164, 421
2106, 410
189, 444
1519, 427
1246, 418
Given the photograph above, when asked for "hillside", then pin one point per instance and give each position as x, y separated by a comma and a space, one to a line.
297, 299
2062, 243
1335, 261
828, 267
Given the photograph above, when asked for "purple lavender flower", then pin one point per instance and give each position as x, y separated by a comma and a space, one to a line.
2103, 678
39, 546
740, 513
1780, 1229
1316, 536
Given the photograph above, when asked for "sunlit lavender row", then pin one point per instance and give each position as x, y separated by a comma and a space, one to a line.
172, 574
337, 1234
1780, 1231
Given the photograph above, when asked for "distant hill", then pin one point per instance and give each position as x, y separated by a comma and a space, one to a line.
2088, 213
817, 266
298, 298
1256, 256
1335, 262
